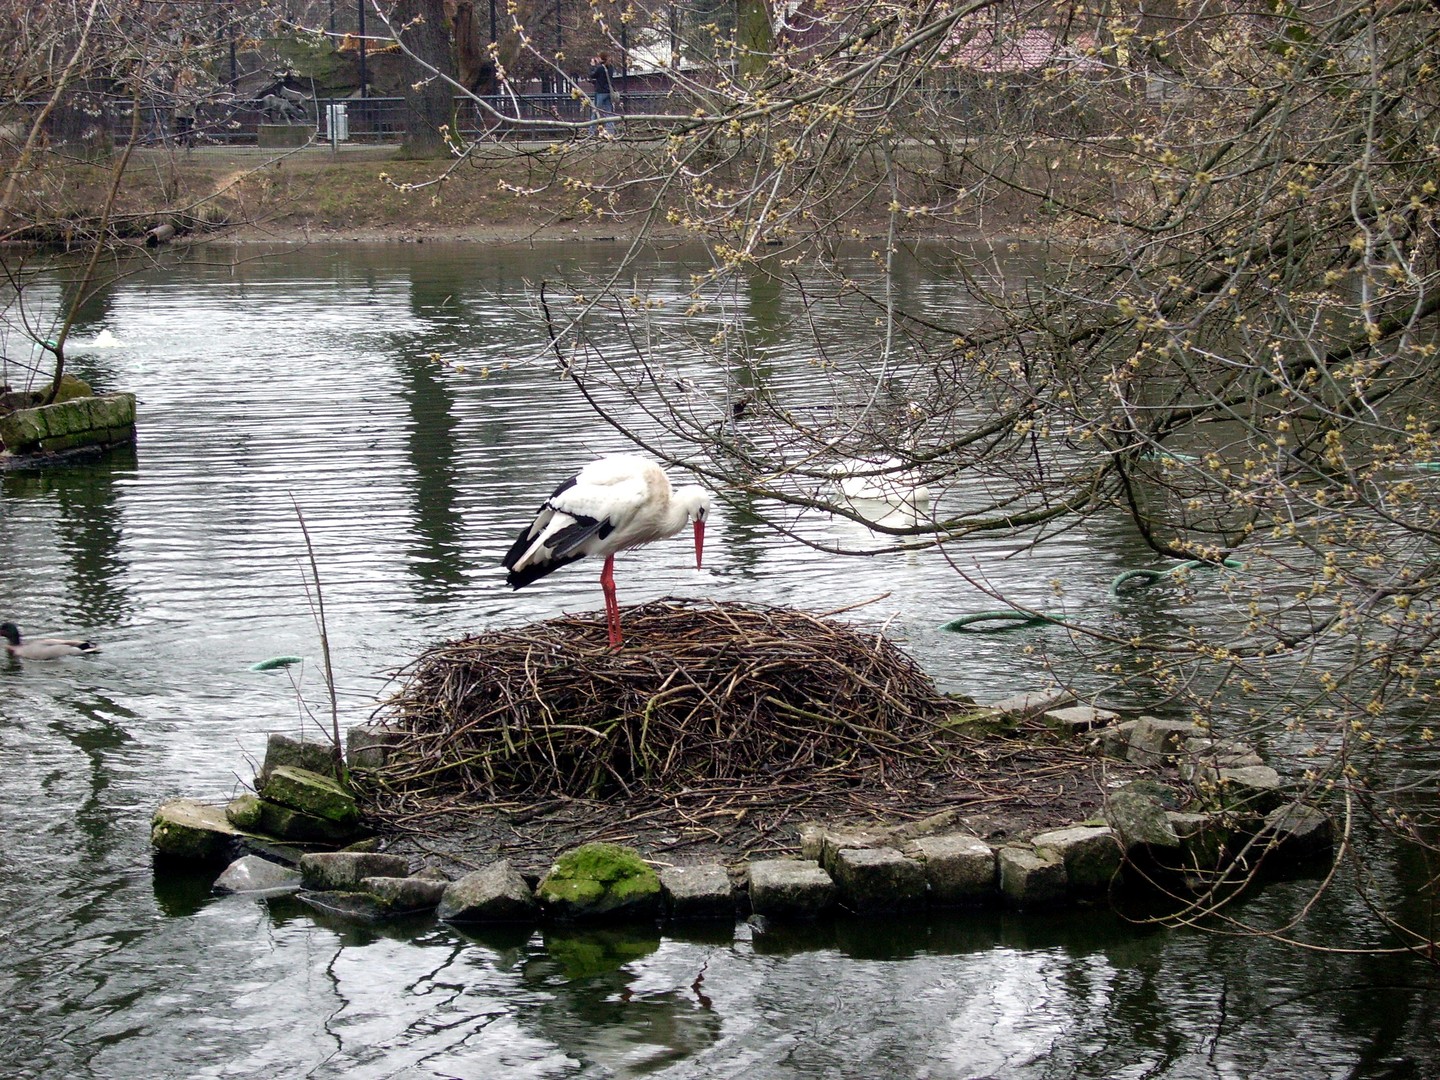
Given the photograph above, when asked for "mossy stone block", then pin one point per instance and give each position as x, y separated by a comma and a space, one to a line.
187, 829
23, 429
287, 823
245, 812
310, 793
600, 881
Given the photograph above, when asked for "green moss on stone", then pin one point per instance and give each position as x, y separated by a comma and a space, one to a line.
599, 879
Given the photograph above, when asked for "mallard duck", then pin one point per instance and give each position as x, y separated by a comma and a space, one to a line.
42, 648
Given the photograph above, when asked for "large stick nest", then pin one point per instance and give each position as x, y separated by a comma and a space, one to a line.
701, 692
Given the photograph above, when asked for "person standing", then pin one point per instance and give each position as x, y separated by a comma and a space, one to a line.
601, 77
184, 93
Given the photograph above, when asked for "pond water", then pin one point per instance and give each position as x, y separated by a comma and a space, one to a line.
398, 398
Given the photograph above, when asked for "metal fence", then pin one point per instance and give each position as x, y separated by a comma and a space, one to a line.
376, 120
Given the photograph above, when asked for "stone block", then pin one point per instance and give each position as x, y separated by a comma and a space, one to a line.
495, 893
789, 888
404, 895
835, 839
1139, 819
1115, 739
317, 757
244, 812
698, 892
1033, 703
1092, 855
1203, 839
600, 881
252, 874
22, 430
287, 823
812, 841
187, 829
959, 869
1031, 878
368, 746
66, 417
878, 879
1300, 831
343, 871
1075, 720
1202, 759
1254, 789
311, 793
1156, 743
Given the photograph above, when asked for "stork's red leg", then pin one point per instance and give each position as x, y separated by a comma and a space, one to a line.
612, 604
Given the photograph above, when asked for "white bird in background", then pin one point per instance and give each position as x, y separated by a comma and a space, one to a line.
620, 501
42, 648
886, 486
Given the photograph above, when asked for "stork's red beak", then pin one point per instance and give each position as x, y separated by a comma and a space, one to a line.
699, 541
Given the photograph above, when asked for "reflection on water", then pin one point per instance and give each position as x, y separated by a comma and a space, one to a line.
403, 400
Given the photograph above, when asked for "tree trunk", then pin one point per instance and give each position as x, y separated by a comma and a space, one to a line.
423, 29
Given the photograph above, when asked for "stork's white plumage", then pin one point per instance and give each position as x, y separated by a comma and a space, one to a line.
618, 502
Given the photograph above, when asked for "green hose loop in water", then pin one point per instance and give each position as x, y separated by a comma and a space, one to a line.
1143, 579
276, 662
1008, 620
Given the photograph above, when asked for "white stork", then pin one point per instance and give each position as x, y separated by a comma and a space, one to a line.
620, 501
42, 648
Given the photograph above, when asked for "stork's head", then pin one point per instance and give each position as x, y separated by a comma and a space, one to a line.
696, 501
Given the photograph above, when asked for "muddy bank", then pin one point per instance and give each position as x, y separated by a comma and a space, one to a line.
501, 193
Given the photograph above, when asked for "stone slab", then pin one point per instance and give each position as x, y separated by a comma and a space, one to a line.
698, 892
959, 868
879, 879
189, 829
329, 871
1033, 703
1092, 855
789, 888
1032, 878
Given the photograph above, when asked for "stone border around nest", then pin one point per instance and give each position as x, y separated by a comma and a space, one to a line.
1243, 815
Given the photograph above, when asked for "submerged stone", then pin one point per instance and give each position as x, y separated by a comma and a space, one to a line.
343, 870
404, 895
253, 874
600, 881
